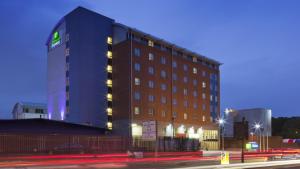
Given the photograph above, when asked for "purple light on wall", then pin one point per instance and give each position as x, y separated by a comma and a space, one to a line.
62, 114
49, 116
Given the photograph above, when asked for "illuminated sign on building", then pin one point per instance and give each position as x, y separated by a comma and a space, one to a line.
55, 39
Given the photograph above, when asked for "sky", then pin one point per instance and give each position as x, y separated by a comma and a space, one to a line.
256, 40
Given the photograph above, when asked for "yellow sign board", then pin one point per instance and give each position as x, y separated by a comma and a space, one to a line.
224, 157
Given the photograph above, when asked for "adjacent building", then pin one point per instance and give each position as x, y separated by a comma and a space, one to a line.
27, 110
106, 74
258, 120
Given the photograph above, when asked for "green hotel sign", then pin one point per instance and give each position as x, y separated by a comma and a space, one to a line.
55, 39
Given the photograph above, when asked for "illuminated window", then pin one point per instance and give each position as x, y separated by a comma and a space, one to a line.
109, 111
194, 70
203, 96
109, 82
203, 118
109, 54
185, 92
109, 125
203, 85
185, 116
136, 110
151, 56
109, 68
137, 52
137, 81
109, 97
109, 40
150, 43
211, 98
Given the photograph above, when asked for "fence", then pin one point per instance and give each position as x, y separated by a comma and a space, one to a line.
64, 144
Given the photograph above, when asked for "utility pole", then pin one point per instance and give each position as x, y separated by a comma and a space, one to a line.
243, 138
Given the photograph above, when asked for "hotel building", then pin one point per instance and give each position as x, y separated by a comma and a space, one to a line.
106, 74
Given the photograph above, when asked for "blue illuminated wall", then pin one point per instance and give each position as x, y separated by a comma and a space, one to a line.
87, 46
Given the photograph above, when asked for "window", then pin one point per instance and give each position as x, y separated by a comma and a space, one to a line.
150, 84
150, 70
185, 103
150, 98
195, 82
109, 83
185, 67
163, 86
174, 102
67, 52
67, 37
137, 95
150, 43
163, 100
137, 52
163, 74
194, 59
185, 79
185, 116
203, 85
137, 81
109, 96
109, 68
136, 110
109, 111
137, 67
203, 118
151, 56
174, 89
195, 105
109, 54
211, 98
185, 92
163, 114
174, 64
195, 94
203, 73
174, 114
163, 60
203, 96
151, 111
109, 40
194, 70
174, 76
203, 106
216, 98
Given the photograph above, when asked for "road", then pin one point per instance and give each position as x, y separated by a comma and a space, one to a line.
122, 161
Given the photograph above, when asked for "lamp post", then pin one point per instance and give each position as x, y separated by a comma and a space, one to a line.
257, 126
221, 131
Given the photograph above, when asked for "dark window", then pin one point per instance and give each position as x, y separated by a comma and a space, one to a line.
67, 102
67, 88
67, 73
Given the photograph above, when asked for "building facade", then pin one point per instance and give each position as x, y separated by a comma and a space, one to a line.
26, 110
259, 117
107, 74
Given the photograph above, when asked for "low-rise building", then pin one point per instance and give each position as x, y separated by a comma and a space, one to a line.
27, 110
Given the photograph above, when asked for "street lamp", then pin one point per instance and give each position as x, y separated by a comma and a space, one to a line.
258, 127
221, 123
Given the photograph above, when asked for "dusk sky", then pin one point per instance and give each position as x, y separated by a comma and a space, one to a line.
257, 40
